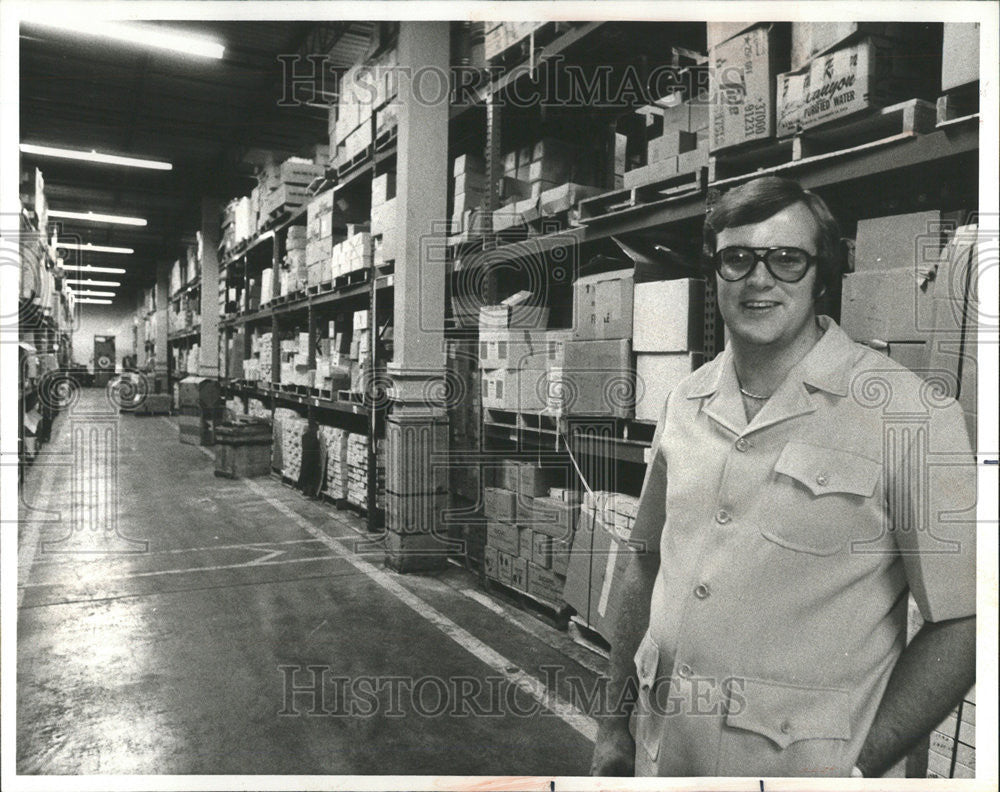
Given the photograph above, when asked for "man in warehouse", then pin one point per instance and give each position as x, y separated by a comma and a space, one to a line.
801, 485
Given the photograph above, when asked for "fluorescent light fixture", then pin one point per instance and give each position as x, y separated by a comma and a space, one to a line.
88, 282
143, 35
89, 293
87, 269
94, 248
93, 156
92, 301
97, 217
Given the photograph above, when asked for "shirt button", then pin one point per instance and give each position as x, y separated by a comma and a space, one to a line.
722, 517
685, 671
822, 480
742, 445
786, 727
701, 591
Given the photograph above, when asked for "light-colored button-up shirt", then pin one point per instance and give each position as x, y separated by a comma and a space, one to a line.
787, 548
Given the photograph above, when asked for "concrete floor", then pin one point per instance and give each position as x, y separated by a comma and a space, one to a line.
163, 611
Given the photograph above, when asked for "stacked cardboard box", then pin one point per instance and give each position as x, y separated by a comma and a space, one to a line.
257, 409
366, 99
468, 190
677, 139
529, 528
952, 751
668, 325
354, 253
334, 440
294, 275
599, 557
292, 427
286, 185
319, 238
597, 376
742, 75
383, 222
853, 74
357, 471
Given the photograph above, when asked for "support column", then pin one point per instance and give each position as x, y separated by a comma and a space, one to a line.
208, 353
160, 351
417, 429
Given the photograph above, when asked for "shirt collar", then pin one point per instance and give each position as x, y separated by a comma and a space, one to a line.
827, 366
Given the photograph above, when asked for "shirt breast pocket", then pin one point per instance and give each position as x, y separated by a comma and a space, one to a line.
820, 499
774, 729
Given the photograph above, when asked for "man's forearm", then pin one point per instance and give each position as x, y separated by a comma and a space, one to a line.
930, 678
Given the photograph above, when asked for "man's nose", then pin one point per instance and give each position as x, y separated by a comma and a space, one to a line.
759, 276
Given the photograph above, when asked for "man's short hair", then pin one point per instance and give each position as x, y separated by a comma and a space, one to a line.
764, 197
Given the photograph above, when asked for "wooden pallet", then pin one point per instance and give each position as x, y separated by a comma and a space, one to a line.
958, 104
870, 127
387, 138
344, 168
554, 614
320, 288
355, 278
613, 204
587, 637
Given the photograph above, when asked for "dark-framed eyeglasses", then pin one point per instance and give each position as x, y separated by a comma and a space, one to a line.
786, 264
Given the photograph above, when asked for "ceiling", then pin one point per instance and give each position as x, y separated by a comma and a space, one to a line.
214, 120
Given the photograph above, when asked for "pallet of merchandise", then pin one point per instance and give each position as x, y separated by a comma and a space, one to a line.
958, 104
867, 129
554, 614
613, 204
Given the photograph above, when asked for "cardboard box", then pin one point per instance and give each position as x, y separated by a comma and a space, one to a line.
554, 517
718, 32
525, 542
500, 389
669, 316
468, 163
671, 143
598, 379
696, 158
904, 240
545, 584
503, 536
500, 504
889, 305
602, 306
647, 174
471, 182
519, 574
959, 55
513, 312
541, 550
656, 375
742, 73
506, 348
532, 388
810, 39
871, 73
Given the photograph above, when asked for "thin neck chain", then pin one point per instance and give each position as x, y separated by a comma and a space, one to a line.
751, 395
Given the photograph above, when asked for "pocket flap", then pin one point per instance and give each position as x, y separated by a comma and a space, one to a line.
786, 713
827, 470
647, 661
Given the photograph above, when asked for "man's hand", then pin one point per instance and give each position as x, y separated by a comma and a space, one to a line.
614, 753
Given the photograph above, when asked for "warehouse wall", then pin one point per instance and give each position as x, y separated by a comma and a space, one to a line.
115, 319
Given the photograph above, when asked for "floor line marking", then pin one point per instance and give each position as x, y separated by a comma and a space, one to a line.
566, 711
76, 558
214, 568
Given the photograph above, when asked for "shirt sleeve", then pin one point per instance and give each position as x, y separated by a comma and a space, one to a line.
933, 505
651, 512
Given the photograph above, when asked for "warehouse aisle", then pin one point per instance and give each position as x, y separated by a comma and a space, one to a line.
232, 627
